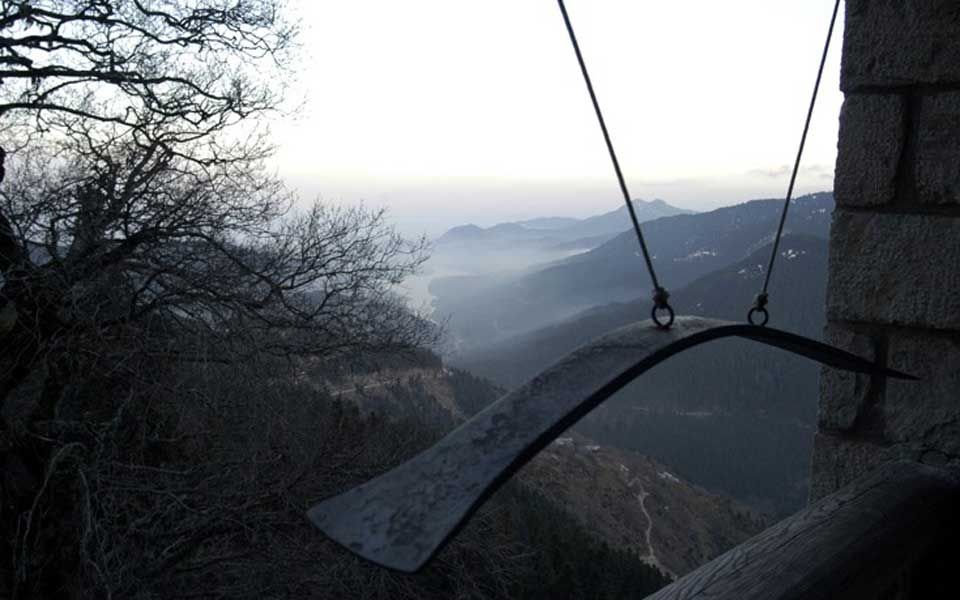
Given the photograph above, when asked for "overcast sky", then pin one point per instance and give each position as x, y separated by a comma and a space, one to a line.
449, 111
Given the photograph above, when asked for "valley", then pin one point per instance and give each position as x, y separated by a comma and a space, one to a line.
691, 459
626, 500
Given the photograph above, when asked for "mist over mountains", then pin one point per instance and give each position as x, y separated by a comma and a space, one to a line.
730, 415
797, 292
492, 253
552, 231
485, 308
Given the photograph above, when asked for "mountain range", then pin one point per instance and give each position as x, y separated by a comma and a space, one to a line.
497, 253
732, 416
482, 310
796, 304
552, 231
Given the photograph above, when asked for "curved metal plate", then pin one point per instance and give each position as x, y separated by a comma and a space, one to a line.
401, 518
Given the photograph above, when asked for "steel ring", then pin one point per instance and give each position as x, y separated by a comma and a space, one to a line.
656, 318
762, 311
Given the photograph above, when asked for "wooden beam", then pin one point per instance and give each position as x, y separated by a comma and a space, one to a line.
853, 544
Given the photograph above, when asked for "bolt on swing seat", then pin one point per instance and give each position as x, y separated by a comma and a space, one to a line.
403, 517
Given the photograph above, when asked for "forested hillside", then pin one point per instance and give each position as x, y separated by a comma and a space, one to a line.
676, 528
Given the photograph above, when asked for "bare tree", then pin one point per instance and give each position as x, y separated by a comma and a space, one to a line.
138, 173
139, 228
199, 65
98, 99
197, 261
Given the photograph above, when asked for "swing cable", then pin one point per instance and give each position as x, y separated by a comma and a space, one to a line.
761, 299
660, 294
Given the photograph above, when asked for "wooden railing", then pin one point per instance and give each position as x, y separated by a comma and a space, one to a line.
861, 542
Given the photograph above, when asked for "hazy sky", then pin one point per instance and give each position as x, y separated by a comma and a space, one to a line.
449, 111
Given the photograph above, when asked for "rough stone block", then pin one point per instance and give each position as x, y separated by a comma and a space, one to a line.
895, 269
927, 410
844, 394
871, 142
837, 461
936, 166
900, 42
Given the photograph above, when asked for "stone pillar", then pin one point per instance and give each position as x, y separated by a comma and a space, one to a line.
894, 285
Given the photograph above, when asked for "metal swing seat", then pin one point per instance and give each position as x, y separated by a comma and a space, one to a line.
401, 518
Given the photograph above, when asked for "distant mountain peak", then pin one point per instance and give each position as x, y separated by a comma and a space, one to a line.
462, 233
553, 231
471, 228
507, 227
